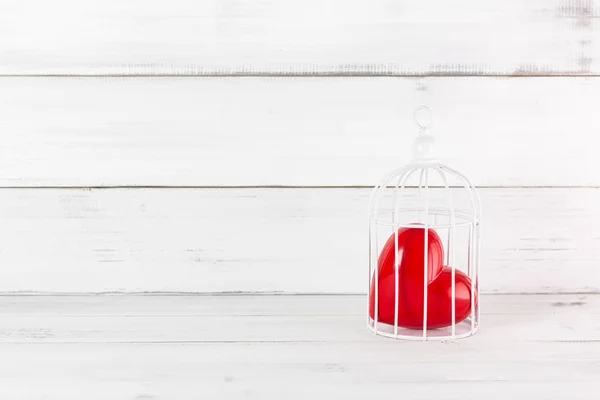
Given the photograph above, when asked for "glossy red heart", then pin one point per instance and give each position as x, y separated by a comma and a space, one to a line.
411, 279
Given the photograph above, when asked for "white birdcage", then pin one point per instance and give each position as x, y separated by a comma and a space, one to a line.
424, 234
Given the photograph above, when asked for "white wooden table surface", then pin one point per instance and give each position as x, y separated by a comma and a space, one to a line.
296, 347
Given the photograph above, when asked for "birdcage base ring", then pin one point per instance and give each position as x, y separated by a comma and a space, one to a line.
463, 330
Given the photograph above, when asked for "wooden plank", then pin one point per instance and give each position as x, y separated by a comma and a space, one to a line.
270, 240
295, 131
177, 372
213, 319
262, 305
407, 37
521, 349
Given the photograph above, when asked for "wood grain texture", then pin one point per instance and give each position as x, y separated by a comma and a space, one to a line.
273, 347
294, 131
270, 318
270, 240
370, 37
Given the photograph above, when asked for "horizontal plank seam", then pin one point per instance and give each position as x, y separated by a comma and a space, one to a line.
200, 342
307, 75
249, 294
109, 187
181, 342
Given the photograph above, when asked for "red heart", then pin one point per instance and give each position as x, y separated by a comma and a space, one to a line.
411, 247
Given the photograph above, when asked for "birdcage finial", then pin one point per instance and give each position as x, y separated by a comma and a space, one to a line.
424, 144
423, 118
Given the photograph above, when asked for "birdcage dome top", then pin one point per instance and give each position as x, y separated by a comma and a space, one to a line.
426, 185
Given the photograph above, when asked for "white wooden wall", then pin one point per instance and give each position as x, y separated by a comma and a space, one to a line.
144, 144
